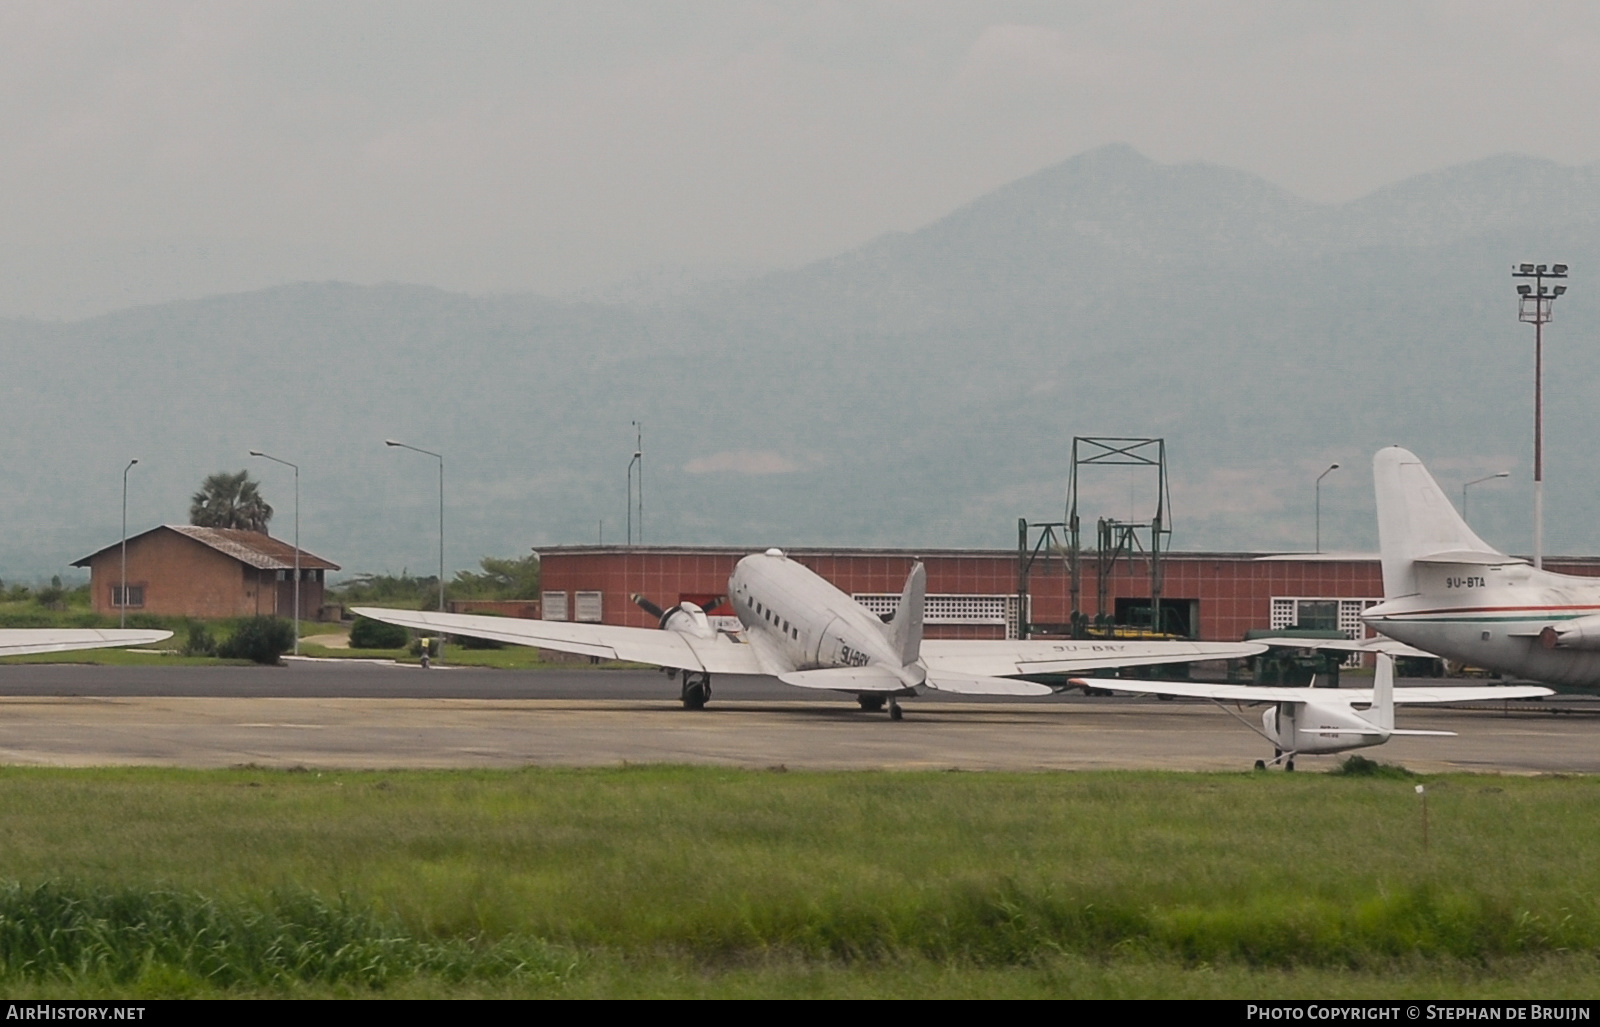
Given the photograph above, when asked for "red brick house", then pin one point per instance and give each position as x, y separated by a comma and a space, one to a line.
187, 571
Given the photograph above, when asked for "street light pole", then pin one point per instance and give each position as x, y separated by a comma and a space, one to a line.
638, 458
438, 457
1324, 474
122, 602
1476, 481
257, 452
1534, 307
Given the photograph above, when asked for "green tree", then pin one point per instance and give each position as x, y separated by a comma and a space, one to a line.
230, 501
501, 579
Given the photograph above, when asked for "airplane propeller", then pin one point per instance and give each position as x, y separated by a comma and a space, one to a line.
690, 616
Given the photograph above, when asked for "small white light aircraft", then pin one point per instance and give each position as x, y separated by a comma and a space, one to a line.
800, 629
1451, 593
1326, 720
28, 641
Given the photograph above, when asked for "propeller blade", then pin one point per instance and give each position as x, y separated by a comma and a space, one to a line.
646, 605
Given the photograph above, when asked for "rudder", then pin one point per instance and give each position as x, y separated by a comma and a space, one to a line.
905, 628
1416, 520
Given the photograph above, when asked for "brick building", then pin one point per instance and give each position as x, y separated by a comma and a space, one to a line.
187, 571
973, 593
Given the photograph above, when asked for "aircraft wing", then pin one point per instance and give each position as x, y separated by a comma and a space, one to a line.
1462, 693
26, 641
985, 658
1344, 645
1256, 693
719, 655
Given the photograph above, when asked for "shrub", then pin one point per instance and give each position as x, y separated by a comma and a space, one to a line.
261, 639
1360, 766
199, 642
367, 633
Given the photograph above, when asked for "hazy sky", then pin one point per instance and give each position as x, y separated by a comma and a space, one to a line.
158, 150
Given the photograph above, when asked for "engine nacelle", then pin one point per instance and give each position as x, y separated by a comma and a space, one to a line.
1582, 633
687, 619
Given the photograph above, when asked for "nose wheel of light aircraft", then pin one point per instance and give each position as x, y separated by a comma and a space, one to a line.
894, 709
696, 690
1261, 764
870, 703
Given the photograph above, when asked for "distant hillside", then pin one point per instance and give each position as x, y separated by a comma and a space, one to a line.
921, 390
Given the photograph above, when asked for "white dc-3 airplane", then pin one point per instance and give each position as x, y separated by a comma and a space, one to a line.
1451, 593
28, 641
800, 629
1327, 720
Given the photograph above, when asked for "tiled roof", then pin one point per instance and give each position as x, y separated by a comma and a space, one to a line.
250, 548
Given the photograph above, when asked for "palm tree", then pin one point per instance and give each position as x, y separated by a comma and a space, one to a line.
230, 501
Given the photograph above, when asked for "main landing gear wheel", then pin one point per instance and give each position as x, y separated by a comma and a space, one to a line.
1289, 765
870, 703
696, 690
894, 710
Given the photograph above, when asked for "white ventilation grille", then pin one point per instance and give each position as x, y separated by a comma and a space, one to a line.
945, 609
1286, 613
554, 605
587, 607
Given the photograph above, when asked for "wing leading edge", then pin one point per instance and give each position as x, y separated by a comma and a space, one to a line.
27, 641
1254, 693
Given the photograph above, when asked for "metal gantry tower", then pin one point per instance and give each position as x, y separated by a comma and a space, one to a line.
1116, 539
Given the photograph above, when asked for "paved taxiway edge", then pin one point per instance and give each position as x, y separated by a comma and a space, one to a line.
445, 733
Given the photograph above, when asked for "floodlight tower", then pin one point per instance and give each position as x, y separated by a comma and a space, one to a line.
1533, 307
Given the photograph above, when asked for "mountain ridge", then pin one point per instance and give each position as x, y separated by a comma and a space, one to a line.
920, 389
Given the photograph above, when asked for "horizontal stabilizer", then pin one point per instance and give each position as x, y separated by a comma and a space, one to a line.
1469, 556
966, 684
847, 679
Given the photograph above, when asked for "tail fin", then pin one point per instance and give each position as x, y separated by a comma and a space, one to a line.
1382, 715
1417, 521
905, 628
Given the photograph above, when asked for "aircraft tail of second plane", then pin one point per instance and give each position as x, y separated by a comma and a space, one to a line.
1418, 523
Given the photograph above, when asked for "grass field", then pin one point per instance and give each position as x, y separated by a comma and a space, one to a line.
701, 881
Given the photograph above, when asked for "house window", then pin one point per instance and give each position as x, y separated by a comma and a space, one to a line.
283, 575
135, 596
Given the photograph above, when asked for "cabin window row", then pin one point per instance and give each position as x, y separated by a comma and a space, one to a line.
774, 619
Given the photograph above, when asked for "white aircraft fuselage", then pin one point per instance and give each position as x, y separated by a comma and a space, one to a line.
1451, 593
1510, 618
803, 621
